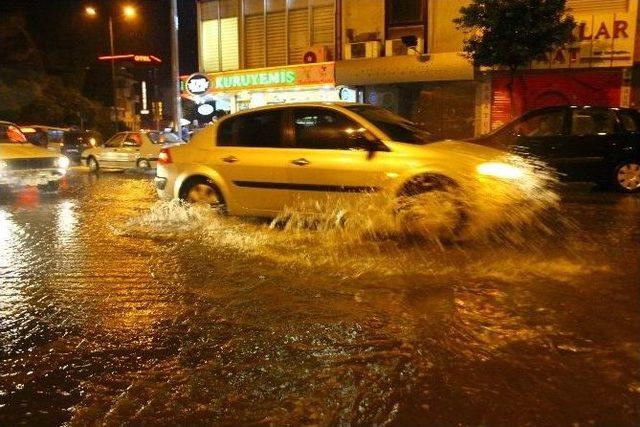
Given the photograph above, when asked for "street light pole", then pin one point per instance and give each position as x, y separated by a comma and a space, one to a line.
113, 75
175, 68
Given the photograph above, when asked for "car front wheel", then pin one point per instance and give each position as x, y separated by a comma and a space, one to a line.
627, 176
433, 207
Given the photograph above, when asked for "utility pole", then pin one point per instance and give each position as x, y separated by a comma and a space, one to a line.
113, 75
175, 68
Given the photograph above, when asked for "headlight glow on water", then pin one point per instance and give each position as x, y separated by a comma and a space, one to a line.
500, 170
63, 162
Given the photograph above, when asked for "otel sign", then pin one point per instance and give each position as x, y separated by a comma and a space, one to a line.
198, 84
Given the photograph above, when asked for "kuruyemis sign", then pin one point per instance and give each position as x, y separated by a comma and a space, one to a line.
263, 78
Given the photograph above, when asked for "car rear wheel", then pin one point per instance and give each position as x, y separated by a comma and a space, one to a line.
93, 165
432, 207
627, 176
144, 164
203, 192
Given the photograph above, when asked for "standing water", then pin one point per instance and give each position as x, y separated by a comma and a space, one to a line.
117, 309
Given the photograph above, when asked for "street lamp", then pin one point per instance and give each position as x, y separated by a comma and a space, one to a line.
128, 12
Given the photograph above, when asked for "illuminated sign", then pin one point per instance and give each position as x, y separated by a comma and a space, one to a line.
205, 109
319, 74
148, 59
602, 40
266, 78
197, 84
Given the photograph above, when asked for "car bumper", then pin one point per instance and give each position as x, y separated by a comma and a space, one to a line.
30, 177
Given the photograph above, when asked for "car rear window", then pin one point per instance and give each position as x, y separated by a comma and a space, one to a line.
11, 133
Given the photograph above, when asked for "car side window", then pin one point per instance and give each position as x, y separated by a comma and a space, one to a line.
115, 141
225, 133
260, 129
628, 121
546, 123
325, 129
593, 121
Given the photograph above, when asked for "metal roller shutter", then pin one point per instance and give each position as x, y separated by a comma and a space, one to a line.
276, 41
596, 6
254, 41
229, 42
323, 31
211, 47
298, 35
209, 41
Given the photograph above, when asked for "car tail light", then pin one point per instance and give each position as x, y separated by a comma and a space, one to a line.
14, 134
164, 158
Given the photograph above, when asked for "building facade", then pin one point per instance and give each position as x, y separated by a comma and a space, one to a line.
597, 68
260, 52
405, 56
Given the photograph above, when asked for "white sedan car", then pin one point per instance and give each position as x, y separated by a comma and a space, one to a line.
127, 150
25, 165
259, 162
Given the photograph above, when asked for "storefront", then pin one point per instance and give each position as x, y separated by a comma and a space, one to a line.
437, 91
239, 90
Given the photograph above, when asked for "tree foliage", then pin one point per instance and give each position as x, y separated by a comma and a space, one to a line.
512, 33
29, 93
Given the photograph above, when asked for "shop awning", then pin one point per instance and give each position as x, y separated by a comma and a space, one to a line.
403, 69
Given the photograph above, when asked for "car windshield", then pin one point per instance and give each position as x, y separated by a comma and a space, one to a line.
397, 128
10, 133
163, 137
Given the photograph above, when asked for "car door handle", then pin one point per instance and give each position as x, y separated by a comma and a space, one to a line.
230, 159
301, 162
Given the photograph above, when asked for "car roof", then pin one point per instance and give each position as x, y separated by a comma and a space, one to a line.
342, 104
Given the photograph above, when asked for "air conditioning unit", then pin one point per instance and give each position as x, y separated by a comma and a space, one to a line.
395, 47
316, 53
370, 49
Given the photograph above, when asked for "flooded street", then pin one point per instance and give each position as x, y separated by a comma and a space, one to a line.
116, 309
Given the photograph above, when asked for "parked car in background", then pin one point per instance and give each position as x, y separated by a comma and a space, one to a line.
44, 136
257, 162
23, 164
126, 150
583, 143
76, 141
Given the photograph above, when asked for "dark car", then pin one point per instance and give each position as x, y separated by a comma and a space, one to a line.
76, 141
590, 144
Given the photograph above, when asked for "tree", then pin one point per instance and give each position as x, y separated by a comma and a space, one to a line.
512, 33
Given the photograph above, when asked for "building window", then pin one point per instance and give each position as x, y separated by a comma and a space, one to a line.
219, 45
406, 18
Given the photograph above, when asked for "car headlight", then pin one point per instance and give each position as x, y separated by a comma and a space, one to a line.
63, 162
500, 170
3, 165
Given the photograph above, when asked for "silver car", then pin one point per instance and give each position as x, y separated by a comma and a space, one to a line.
126, 150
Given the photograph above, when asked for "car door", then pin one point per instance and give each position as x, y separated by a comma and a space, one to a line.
594, 134
333, 157
250, 157
129, 153
150, 147
108, 154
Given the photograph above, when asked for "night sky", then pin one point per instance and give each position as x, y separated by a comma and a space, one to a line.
61, 26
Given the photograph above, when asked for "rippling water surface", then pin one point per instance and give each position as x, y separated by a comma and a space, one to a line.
115, 308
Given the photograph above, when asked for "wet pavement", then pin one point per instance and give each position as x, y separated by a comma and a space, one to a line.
115, 309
